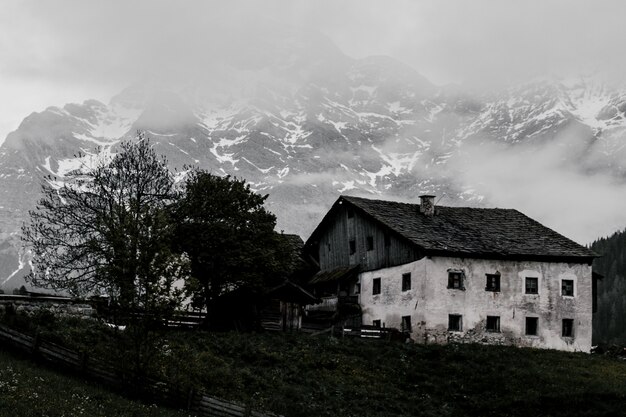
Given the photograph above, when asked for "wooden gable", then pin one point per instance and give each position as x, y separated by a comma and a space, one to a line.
348, 236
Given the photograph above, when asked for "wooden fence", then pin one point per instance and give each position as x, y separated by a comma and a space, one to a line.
157, 391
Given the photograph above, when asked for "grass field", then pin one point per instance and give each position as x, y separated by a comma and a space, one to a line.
27, 389
297, 375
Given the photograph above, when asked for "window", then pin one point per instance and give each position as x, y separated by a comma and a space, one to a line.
531, 326
329, 247
387, 240
352, 247
370, 243
532, 285
567, 287
493, 282
493, 324
406, 281
568, 328
376, 323
455, 322
376, 286
406, 324
455, 280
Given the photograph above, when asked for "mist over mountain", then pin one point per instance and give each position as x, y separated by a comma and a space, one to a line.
303, 122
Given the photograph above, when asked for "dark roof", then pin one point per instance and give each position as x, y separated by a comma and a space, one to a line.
291, 292
294, 241
472, 232
335, 274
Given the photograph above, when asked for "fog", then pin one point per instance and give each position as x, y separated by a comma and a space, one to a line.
70, 50
52, 53
548, 183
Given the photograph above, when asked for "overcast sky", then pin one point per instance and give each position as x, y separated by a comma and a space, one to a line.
53, 52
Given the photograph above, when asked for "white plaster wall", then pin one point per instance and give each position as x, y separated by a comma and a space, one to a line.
429, 302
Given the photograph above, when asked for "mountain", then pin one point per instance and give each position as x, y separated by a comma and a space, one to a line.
304, 123
608, 324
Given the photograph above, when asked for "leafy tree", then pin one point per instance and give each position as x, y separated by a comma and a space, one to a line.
108, 230
229, 238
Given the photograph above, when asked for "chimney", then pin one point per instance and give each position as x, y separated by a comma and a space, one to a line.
427, 205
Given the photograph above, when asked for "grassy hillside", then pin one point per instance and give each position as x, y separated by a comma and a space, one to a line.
27, 389
299, 375
302, 376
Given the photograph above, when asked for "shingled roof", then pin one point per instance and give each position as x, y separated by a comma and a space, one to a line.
470, 232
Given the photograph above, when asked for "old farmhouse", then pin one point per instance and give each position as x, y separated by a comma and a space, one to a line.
455, 273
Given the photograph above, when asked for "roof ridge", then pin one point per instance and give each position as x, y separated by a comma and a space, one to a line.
467, 231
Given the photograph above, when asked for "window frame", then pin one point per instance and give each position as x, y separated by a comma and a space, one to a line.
563, 288
403, 324
376, 286
451, 281
406, 278
526, 286
495, 288
458, 320
534, 320
352, 245
495, 321
567, 324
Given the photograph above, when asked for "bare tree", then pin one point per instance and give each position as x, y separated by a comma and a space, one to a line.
108, 229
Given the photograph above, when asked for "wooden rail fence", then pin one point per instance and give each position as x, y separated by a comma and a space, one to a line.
158, 391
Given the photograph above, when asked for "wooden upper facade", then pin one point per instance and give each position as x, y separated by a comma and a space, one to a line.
350, 237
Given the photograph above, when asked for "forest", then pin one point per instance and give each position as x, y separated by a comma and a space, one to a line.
609, 325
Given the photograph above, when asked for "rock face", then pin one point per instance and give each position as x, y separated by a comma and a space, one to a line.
305, 127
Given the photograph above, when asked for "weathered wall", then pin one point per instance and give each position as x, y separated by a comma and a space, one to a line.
429, 302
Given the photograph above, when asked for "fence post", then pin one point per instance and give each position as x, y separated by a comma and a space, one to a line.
84, 357
190, 396
36, 343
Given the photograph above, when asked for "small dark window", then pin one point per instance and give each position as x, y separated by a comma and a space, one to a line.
568, 328
376, 323
455, 280
493, 324
406, 281
329, 247
493, 283
532, 285
376, 286
455, 322
531, 326
406, 324
370, 243
350, 213
387, 240
567, 287
352, 247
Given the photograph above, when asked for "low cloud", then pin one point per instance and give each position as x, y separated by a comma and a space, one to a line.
546, 183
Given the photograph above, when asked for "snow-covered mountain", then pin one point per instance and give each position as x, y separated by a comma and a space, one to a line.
306, 127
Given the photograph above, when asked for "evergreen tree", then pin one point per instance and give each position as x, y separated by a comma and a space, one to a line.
609, 323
